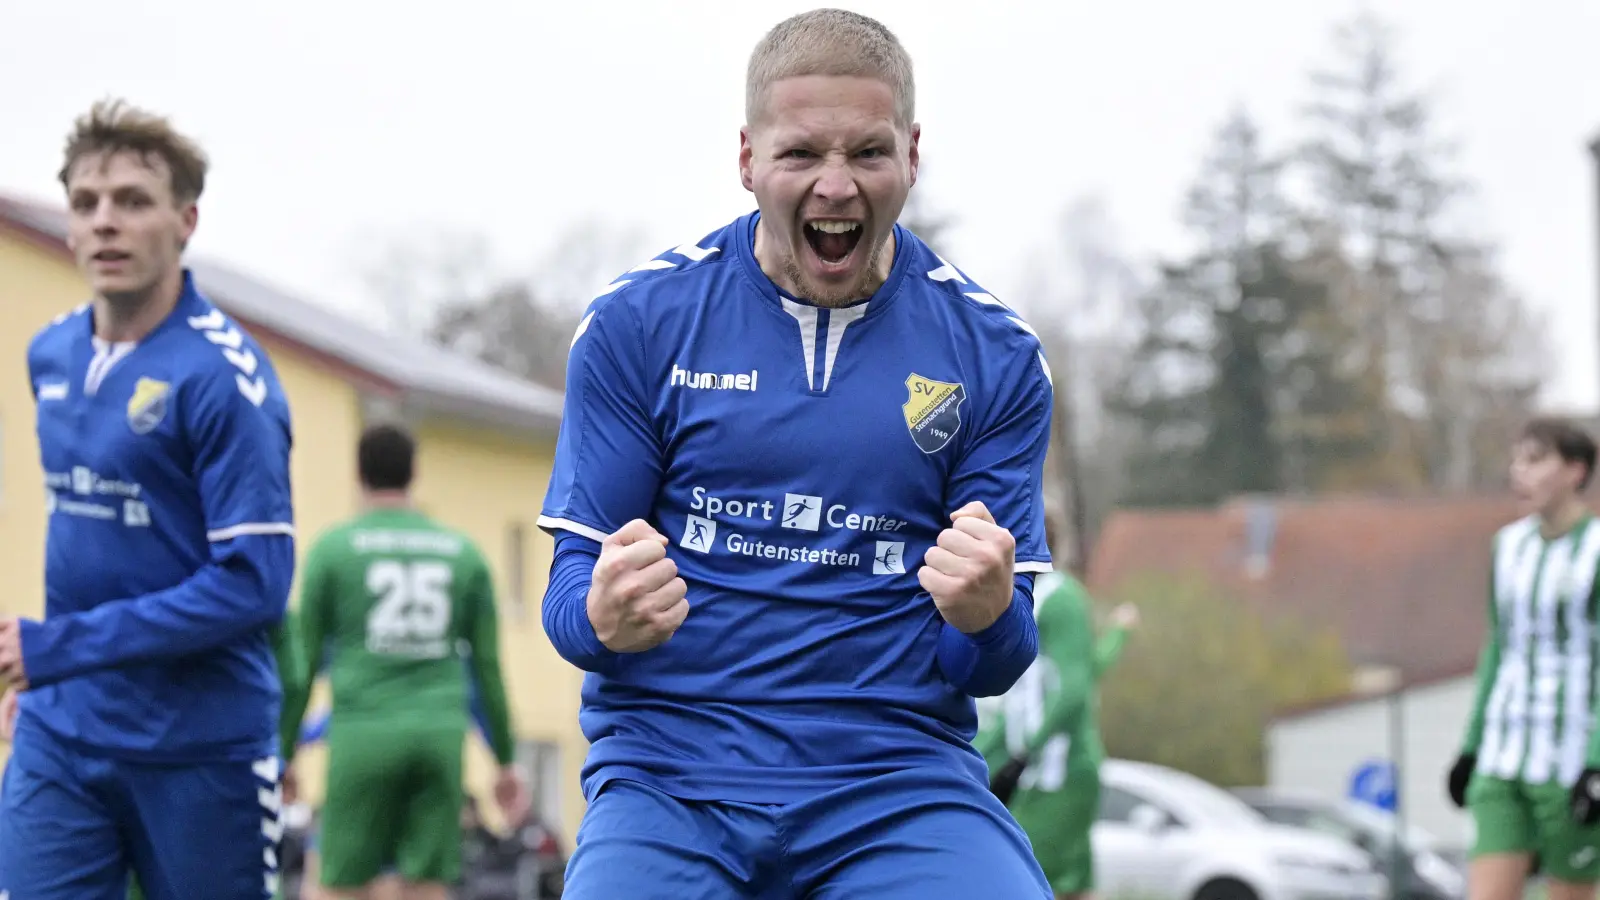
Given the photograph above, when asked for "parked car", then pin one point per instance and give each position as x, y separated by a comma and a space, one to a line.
1426, 871
1167, 835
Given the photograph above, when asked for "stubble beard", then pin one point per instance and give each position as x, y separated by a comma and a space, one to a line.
837, 298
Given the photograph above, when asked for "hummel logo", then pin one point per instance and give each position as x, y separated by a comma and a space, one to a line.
712, 381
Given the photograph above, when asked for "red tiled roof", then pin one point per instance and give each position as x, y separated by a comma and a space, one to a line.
1404, 581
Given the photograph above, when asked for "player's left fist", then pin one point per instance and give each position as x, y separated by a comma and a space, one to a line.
11, 671
968, 572
1586, 797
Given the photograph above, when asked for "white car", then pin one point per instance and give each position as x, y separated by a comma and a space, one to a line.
1166, 835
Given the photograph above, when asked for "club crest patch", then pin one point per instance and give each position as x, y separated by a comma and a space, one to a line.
148, 405
933, 411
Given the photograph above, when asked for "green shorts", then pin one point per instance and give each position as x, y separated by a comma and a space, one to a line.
1513, 817
394, 798
1057, 824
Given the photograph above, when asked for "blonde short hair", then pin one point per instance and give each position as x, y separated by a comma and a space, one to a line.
830, 42
115, 126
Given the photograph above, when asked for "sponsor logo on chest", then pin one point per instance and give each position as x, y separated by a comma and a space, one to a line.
712, 381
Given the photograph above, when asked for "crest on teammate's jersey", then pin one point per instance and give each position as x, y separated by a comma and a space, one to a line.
148, 405
933, 411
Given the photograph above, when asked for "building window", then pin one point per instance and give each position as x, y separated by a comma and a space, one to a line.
540, 762
516, 568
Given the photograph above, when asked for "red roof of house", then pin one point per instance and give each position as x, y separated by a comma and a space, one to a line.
1403, 580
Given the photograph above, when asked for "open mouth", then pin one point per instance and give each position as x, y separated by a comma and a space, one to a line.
833, 240
111, 256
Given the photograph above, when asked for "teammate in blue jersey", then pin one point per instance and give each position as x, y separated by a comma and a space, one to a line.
147, 733
798, 511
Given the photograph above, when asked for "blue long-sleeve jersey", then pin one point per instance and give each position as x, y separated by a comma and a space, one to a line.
170, 545
800, 460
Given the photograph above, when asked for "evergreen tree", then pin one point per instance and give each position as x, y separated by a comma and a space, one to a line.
1238, 371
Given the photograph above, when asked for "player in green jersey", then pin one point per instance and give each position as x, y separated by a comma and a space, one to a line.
1529, 767
1042, 741
396, 598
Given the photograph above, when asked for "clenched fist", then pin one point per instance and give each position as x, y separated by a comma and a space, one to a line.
636, 599
968, 572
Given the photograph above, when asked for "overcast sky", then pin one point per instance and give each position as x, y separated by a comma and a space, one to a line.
336, 127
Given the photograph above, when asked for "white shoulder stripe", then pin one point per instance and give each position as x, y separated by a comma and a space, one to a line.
551, 523
946, 272
653, 265
692, 252
582, 327
218, 535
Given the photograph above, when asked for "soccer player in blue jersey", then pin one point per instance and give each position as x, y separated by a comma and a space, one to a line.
147, 733
798, 513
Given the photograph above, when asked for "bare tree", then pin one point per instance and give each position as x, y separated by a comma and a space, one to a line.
1430, 309
1079, 286
447, 289
414, 275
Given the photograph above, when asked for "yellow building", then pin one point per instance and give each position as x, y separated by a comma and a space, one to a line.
486, 443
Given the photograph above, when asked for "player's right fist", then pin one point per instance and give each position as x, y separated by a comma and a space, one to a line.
636, 599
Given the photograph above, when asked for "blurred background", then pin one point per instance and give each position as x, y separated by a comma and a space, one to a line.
1300, 268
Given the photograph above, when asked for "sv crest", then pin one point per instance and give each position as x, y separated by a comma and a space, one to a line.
933, 411
148, 405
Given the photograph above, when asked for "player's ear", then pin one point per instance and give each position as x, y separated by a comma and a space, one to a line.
189, 216
914, 152
746, 155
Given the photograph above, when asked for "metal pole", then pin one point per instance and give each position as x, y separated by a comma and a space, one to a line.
1594, 154
1397, 749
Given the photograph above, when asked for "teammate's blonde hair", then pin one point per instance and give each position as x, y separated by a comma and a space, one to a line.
116, 126
830, 42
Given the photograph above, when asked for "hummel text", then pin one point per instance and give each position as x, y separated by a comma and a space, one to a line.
712, 381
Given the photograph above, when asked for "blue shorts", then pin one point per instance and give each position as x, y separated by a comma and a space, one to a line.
73, 825
913, 835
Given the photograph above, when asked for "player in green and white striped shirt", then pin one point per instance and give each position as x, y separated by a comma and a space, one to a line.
1529, 769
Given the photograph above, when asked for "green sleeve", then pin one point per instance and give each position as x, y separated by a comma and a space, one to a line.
1488, 666
484, 638
1109, 649
1064, 619
1593, 760
291, 675
316, 606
